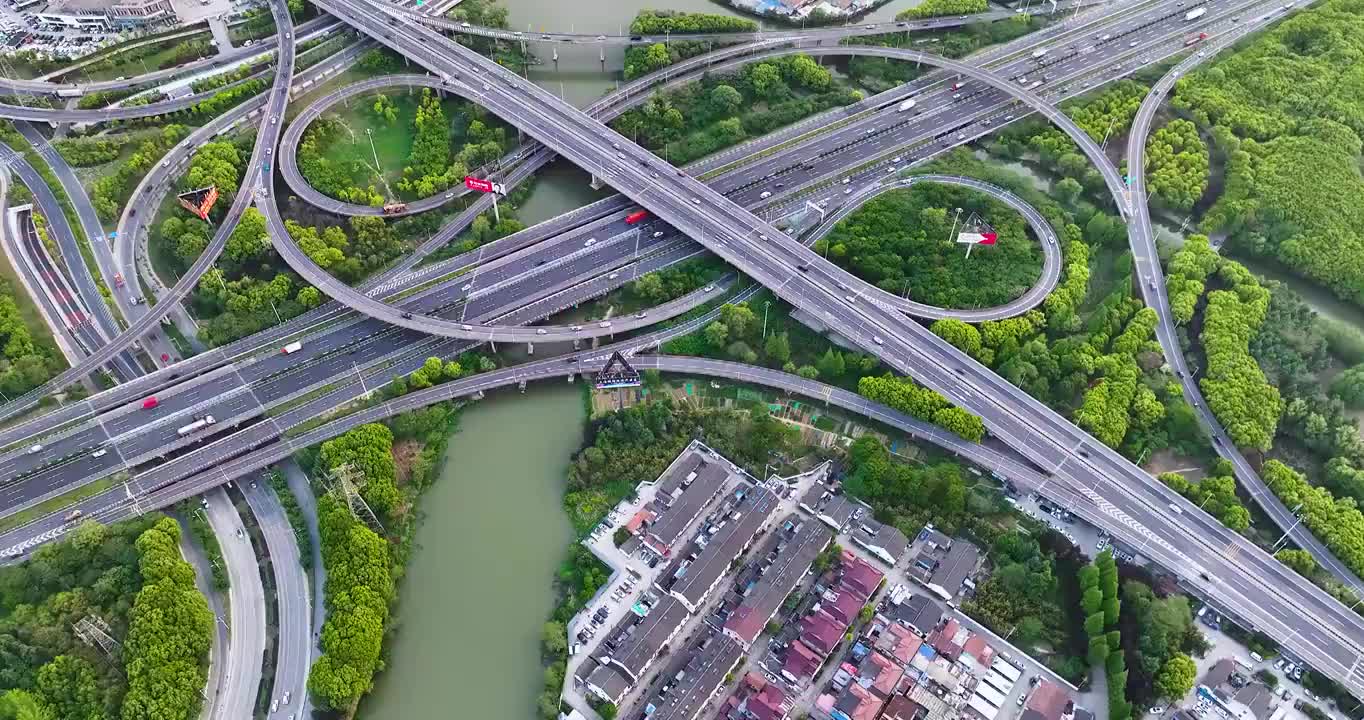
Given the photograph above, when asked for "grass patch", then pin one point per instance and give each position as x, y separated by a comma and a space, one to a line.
88, 490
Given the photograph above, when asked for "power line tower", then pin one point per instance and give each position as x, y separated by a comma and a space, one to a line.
344, 483
93, 631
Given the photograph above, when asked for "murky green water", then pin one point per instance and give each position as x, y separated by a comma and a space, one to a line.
479, 586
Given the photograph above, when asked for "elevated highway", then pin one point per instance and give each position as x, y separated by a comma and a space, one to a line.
1146, 260
1258, 588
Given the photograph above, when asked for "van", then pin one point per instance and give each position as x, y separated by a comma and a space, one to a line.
34, 450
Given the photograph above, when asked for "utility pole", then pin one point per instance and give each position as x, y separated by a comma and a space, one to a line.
765, 305
369, 132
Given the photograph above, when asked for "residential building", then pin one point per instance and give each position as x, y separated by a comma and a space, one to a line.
800, 663
859, 575
855, 703
842, 604
820, 633
919, 613
756, 699
1234, 695
879, 674
899, 643
830, 508
1048, 701
683, 695
638, 643
885, 542
943, 564
901, 707
688, 484
721, 543
796, 546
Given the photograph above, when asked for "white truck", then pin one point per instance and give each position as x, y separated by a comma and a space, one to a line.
906, 105
1039, 53
292, 347
197, 425
1195, 14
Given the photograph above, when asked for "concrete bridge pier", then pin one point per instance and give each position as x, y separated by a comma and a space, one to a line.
521, 386
596, 184
530, 348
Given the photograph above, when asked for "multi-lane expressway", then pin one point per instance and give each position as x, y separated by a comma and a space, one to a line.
275, 104
1316, 627
130, 397
1140, 16
1236, 578
293, 622
239, 678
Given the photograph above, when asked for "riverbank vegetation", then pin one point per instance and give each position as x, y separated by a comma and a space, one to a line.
902, 242
724, 109
939, 8
674, 26
392, 463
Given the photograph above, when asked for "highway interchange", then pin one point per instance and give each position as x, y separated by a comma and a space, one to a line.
1107, 489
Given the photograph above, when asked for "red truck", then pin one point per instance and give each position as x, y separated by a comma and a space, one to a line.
635, 217
118, 279
394, 208
150, 403
1200, 37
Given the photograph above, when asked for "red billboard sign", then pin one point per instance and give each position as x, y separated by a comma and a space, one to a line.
474, 183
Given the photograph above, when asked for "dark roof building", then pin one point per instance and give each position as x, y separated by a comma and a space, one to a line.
688, 690
918, 613
833, 510
684, 490
638, 643
796, 547
943, 564
608, 683
886, 542
901, 707
696, 579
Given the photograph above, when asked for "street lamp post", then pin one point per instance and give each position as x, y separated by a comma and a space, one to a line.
765, 304
1296, 519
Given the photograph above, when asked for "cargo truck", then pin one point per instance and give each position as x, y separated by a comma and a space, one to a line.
292, 347
906, 105
1039, 53
196, 426
1195, 14
1200, 37
394, 208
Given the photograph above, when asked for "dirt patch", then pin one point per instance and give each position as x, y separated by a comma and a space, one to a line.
405, 453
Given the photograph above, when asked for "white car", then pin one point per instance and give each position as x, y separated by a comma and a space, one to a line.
590, 242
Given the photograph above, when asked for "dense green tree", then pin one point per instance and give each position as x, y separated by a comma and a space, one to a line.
1301, 561
368, 449
1176, 678
1177, 160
